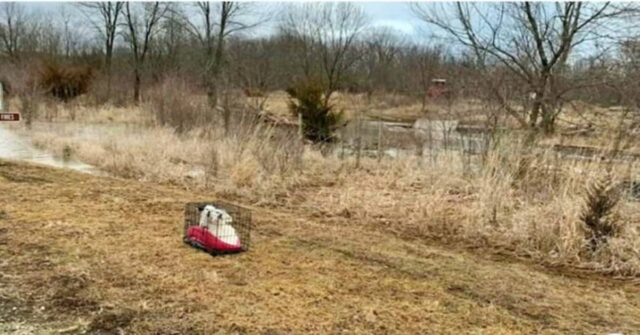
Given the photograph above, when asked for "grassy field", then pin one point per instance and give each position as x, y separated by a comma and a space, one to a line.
429, 241
81, 253
517, 198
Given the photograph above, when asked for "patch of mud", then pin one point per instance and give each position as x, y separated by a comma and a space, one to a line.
111, 321
3, 233
365, 321
17, 328
21, 177
39, 256
12, 310
70, 293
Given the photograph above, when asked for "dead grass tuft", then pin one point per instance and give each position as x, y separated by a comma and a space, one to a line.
600, 200
111, 321
68, 293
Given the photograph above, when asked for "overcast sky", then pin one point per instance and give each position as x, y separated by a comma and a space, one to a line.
394, 14
397, 15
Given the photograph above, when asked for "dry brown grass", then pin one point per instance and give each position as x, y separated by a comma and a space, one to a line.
80, 110
530, 208
110, 252
520, 199
389, 107
260, 164
104, 255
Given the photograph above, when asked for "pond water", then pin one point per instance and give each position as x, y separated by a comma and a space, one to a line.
395, 137
14, 147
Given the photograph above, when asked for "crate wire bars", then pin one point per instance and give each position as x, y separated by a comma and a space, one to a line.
241, 223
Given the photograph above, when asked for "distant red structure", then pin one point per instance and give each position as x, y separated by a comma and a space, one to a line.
9, 116
438, 89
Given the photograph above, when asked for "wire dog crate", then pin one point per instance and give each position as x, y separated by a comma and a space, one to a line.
214, 233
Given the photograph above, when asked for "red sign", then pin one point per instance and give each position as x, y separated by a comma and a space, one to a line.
9, 116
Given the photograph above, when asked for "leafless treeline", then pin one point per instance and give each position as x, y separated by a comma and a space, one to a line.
541, 54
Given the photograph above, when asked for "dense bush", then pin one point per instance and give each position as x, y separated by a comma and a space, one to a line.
65, 82
318, 117
601, 198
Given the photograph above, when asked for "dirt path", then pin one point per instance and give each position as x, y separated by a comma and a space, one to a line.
80, 253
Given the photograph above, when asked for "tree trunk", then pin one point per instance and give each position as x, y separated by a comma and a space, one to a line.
214, 72
212, 81
547, 124
542, 116
535, 111
136, 84
212, 90
108, 69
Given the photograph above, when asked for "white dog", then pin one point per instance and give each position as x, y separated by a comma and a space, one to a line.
218, 222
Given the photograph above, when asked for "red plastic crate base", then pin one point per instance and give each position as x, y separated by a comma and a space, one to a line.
200, 238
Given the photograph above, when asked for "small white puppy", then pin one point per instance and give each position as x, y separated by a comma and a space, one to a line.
218, 222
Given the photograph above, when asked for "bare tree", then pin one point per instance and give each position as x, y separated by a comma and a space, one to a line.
424, 63
13, 28
326, 35
173, 42
254, 68
382, 48
141, 26
532, 40
45, 39
623, 75
104, 18
70, 30
219, 21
